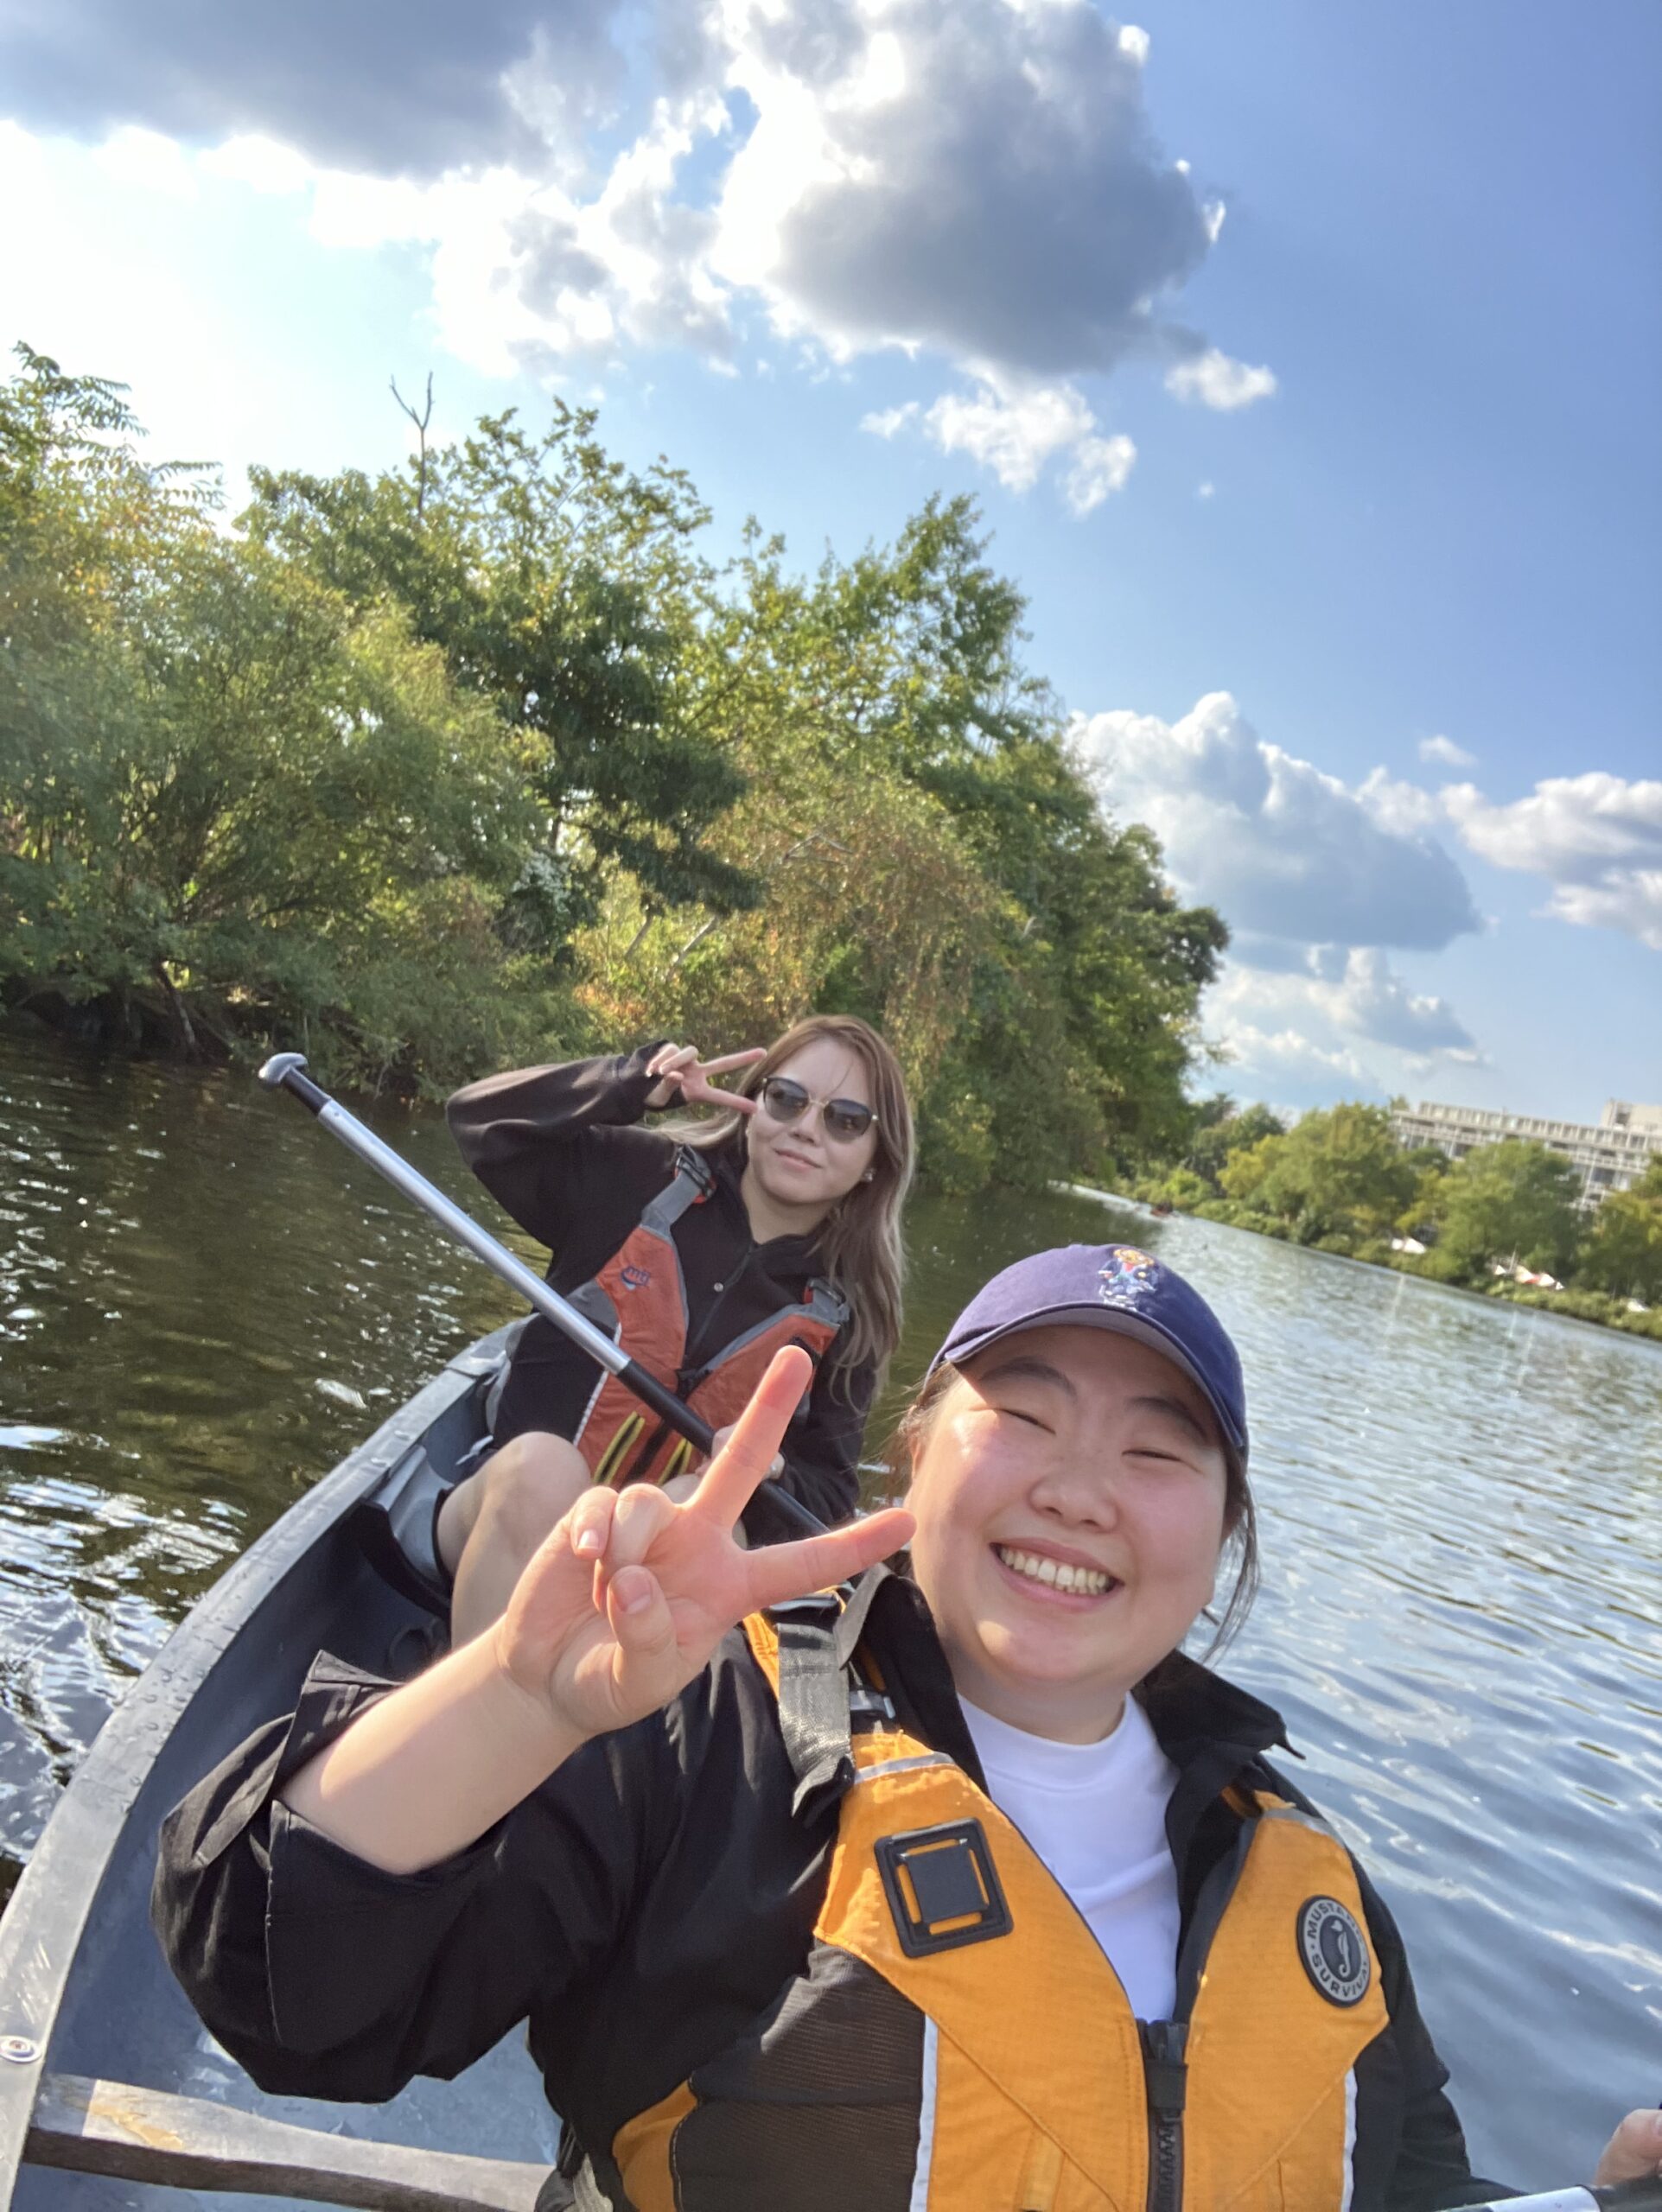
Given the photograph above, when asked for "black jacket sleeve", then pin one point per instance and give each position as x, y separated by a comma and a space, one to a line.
525, 1135
324, 1976
1431, 2171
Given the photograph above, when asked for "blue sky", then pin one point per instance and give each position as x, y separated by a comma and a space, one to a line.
1330, 462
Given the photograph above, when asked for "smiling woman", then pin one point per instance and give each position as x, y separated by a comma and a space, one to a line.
702, 1246
917, 1892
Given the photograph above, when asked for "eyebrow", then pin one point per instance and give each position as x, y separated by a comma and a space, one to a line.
1029, 1367
1186, 1415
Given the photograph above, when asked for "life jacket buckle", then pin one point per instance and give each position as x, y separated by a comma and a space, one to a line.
870, 1705
943, 1888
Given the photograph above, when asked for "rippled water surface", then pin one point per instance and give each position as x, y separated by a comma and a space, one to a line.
204, 1303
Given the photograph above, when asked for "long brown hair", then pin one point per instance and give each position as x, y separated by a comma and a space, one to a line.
859, 1241
911, 1433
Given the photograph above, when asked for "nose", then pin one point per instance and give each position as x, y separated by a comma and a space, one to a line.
1076, 1496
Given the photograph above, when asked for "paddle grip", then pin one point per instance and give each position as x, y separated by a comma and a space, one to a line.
283, 1072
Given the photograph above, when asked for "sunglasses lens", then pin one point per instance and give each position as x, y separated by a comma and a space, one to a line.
847, 1118
784, 1099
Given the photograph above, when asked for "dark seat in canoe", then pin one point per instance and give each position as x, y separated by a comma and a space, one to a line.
85, 1996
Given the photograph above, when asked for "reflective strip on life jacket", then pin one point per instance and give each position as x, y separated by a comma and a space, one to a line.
639, 1298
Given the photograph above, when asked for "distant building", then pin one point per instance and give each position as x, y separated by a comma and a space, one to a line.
1610, 1156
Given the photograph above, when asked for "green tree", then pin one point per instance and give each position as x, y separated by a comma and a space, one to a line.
486, 755
1623, 1253
566, 591
1224, 1130
233, 800
933, 858
1510, 1201
1337, 1174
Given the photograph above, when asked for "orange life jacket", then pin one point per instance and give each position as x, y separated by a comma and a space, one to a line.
639, 1298
1024, 2083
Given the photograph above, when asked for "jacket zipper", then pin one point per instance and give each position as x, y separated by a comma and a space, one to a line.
693, 1375
1165, 2042
1166, 2077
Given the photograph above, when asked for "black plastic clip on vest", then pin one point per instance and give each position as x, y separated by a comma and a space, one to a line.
943, 1888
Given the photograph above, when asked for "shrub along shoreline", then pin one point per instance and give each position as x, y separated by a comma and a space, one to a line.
1337, 1181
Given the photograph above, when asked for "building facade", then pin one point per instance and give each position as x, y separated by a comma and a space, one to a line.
1610, 1155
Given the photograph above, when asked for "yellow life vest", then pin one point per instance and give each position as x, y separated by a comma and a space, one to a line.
1035, 2089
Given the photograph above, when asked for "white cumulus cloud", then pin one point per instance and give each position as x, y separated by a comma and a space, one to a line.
1100, 469
975, 182
1281, 848
1212, 379
1597, 838
1445, 752
1016, 428
1013, 433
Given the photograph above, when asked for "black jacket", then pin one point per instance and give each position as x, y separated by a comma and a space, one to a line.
561, 1149
646, 1905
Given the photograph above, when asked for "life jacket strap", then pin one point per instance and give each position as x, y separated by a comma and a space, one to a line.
814, 1701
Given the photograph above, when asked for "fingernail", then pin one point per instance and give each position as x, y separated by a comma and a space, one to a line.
635, 1591
587, 1545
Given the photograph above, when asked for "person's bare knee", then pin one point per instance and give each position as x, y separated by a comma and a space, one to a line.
528, 1487
505, 1509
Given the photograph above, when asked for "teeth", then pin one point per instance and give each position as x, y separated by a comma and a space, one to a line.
1085, 1581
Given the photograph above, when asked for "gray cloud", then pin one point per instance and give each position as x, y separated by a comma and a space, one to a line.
406, 91
1376, 1004
1005, 204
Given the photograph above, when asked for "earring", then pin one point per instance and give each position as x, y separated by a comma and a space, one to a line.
867, 1177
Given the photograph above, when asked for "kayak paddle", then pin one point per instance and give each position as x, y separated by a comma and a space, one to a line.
285, 1071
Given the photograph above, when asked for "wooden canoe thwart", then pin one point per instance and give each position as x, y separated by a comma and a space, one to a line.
109, 2128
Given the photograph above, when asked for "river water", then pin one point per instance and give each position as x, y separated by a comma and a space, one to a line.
204, 1303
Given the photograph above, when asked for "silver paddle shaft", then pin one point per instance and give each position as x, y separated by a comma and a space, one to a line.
1613, 2196
286, 1072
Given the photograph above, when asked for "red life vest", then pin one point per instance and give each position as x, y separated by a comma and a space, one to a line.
639, 1298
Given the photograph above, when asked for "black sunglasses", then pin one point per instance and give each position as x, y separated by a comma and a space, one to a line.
844, 1118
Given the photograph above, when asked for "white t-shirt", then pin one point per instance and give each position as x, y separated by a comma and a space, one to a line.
1096, 1814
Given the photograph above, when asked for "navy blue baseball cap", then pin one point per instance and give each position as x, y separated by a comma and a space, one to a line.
1118, 1288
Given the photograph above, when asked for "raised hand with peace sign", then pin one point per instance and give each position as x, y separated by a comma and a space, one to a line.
628, 1597
617, 1612
683, 1075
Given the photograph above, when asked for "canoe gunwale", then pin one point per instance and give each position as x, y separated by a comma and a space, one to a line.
42, 1926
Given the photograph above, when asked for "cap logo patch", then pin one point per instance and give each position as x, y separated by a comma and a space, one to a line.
1124, 1274
1335, 1950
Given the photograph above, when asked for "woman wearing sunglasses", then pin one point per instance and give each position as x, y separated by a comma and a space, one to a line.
705, 1245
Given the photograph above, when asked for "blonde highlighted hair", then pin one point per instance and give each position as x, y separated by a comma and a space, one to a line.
859, 1241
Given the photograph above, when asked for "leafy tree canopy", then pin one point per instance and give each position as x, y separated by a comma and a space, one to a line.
1510, 1201
1623, 1254
1337, 1174
485, 758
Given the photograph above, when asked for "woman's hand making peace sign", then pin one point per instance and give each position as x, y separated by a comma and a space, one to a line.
616, 1613
683, 1075
627, 1599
